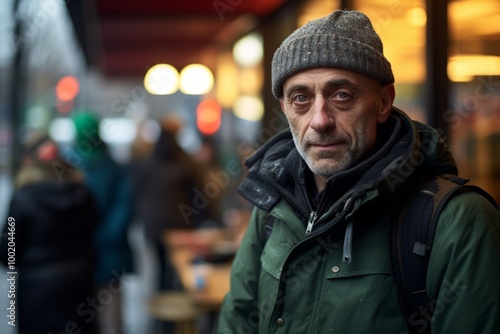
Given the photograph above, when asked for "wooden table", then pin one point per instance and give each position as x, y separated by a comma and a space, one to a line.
183, 246
176, 307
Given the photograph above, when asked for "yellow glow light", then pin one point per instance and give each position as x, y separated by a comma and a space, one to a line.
226, 91
248, 51
417, 17
250, 108
463, 68
196, 79
250, 80
468, 19
161, 79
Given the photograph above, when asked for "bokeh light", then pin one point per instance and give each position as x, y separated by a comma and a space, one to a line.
208, 116
196, 79
248, 51
67, 88
161, 79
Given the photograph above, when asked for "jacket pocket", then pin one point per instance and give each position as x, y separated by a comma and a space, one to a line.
377, 261
276, 250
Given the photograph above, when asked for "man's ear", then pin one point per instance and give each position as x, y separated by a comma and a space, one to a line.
281, 105
387, 95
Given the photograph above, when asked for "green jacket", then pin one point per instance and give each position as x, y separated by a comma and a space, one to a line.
338, 278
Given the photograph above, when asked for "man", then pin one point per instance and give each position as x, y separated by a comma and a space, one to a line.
332, 187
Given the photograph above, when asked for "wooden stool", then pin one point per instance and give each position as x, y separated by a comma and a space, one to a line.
176, 307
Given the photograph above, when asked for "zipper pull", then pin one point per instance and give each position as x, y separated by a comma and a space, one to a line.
310, 223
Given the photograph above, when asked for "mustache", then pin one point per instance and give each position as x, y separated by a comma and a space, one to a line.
326, 139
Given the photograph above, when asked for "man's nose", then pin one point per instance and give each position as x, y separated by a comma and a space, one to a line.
322, 118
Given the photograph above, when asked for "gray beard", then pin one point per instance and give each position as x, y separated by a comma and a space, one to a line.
342, 164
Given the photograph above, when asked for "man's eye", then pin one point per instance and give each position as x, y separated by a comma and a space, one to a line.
343, 95
300, 98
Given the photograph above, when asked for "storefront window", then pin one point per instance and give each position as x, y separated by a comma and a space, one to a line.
474, 72
401, 26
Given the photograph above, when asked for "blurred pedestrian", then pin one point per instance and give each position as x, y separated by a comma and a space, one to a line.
207, 163
166, 185
47, 241
111, 186
169, 195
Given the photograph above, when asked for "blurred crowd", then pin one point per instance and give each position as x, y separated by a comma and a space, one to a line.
72, 222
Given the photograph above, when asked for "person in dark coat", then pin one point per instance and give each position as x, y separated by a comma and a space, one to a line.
47, 243
166, 185
169, 188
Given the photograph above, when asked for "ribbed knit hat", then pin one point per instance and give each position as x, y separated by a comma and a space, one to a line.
344, 39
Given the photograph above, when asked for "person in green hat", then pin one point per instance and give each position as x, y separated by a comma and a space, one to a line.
110, 184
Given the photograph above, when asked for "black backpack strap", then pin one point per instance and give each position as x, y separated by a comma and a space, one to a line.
268, 226
411, 241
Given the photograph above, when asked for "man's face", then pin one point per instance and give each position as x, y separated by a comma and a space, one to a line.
333, 116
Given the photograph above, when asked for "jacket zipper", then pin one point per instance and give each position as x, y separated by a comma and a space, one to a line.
313, 215
310, 223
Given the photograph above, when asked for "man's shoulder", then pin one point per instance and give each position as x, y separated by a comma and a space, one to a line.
468, 221
470, 205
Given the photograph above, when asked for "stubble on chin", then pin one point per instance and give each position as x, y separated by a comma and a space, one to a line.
327, 165
323, 163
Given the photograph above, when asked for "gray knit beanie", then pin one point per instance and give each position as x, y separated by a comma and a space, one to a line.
344, 39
